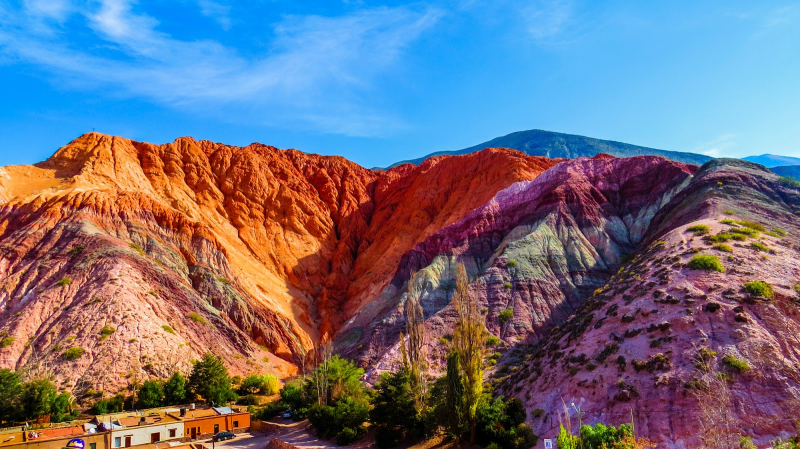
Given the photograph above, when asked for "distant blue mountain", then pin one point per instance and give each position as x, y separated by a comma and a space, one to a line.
773, 160
787, 170
537, 142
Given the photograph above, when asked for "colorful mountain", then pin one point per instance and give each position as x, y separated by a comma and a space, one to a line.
146, 256
537, 142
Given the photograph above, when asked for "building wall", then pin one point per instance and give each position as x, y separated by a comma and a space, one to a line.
205, 426
142, 434
100, 441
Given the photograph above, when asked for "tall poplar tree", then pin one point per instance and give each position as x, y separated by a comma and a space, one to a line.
469, 338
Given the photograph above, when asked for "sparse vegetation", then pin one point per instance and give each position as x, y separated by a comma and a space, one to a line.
728, 221
77, 249
699, 229
492, 340
511, 263
106, 331
760, 247
759, 288
788, 181
223, 280
197, 318
168, 329
6, 342
722, 237
704, 359
137, 248
780, 232
507, 285
73, 353
63, 282
751, 225
706, 262
736, 364
723, 247
744, 231
506, 315
728, 212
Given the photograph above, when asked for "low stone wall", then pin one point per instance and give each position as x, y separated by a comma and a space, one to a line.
278, 444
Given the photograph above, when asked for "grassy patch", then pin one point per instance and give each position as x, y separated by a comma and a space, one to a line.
137, 248
197, 318
722, 237
759, 288
723, 247
492, 340
63, 282
506, 315
739, 237
780, 232
6, 342
106, 331
728, 212
728, 221
511, 263
760, 247
699, 229
706, 263
168, 329
752, 225
736, 364
750, 232
73, 353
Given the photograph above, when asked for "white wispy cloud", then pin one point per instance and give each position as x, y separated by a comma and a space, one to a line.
217, 11
718, 147
546, 19
316, 69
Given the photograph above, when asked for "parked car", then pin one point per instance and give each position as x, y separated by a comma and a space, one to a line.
287, 414
222, 436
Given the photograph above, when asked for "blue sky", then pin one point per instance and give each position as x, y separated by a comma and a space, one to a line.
379, 82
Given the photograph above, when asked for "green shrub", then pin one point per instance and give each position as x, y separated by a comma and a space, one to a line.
249, 399
73, 353
64, 282
168, 329
704, 358
511, 263
760, 247
6, 342
699, 229
797, 288
77, 249
723, 247
739, 237
789, 181
506, 315
443, 341
722, 237
492, 340
728, 221
779, 231
736, 364
106, 331
759, 288
137, 248
706, 262
752, 225
728, 212
507, 285
744, 231
197, 318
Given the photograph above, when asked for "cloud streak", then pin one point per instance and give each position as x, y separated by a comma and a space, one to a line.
316, 70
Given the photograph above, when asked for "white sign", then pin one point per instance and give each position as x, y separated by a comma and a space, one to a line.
548, 444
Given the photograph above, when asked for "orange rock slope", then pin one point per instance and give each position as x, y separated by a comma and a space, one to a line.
145, 256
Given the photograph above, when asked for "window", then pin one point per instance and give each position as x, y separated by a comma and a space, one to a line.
92, 445
236, 424
172, 433
118, 442
155, 437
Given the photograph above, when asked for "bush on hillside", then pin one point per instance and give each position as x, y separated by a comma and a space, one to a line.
707, 263
759, 288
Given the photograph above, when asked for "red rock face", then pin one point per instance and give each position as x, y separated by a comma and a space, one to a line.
252, 253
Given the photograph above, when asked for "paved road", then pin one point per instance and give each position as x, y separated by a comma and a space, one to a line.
242, 441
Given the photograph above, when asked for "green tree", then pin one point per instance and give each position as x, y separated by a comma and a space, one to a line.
10, 391
292, 395
344, 420
37, 398
175, 390
604, 436
469, 338
150, 395
255, 384
340, 378
209, 379
565, 440
61, 410
394, 412
454, 397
